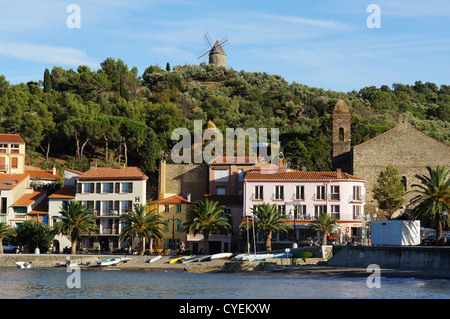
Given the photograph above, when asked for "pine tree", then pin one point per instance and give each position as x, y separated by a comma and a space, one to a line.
389, 190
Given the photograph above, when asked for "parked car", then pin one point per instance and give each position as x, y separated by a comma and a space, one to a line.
8, 248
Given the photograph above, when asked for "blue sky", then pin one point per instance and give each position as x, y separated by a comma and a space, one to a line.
324, 43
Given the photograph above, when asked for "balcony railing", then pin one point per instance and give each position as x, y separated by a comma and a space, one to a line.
106, 212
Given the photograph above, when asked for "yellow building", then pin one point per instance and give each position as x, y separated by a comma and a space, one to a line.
173, 211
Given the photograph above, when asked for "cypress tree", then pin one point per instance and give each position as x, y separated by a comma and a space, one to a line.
47, 81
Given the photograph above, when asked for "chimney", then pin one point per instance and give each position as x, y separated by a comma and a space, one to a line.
54, 170
189, 197
339, 173
162, 177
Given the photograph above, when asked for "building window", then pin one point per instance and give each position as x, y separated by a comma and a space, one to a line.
221, 175
166, 208
14, 162
221, 190
178, 225
335, 211
127, 187
300, 211
335, 195
279, 192
357, 193
259, 192
341, 134
166, 226
240, 175
126, 206
88, 187
281, 209
178, 208
319, 209
14, 145
108, 187
356, 211
3, 205
300, 192
320, 193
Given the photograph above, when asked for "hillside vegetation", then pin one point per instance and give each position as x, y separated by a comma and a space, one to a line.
114, 115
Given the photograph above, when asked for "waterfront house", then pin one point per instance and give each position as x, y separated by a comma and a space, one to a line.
109, 192
302, 196
19, 202
172, 209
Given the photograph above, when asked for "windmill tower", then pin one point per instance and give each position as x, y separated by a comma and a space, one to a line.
216, 53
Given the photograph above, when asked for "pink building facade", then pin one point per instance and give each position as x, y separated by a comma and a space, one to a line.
304, 195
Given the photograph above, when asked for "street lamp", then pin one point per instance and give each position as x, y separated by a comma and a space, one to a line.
172, 246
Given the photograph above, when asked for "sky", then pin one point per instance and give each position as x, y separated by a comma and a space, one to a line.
339, 45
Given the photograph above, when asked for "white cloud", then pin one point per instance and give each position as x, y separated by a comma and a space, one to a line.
46, 54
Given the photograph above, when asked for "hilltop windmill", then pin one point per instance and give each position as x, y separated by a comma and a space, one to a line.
216, 53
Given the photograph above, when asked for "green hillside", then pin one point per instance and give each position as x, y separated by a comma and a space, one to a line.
114, 115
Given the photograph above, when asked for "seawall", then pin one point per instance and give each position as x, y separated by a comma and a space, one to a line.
399, 257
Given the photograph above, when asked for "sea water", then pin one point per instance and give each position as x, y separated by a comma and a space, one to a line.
152, 284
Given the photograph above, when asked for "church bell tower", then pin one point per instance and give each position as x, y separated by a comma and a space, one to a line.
342, 153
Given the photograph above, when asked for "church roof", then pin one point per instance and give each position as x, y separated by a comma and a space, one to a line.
341, 107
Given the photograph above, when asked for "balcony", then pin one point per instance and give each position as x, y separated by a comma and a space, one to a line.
110, 231
357, 198
107, 213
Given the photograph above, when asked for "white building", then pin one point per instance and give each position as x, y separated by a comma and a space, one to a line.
109, 192
19, 202
304, 195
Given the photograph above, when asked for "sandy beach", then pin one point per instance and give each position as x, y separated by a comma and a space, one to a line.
226, 265
223, 265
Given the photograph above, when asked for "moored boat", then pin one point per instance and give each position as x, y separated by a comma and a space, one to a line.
23, 265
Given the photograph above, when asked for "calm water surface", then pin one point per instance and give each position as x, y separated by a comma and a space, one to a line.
127, 284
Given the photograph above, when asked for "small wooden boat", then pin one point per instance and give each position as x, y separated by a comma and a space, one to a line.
156, 258
23, 265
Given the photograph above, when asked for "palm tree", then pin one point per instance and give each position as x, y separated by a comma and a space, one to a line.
5, 231
207, 218
433, 197
76, 219
325, 223
140, 223
269, 220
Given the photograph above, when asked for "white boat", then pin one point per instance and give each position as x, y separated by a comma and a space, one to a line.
189, 259
156, 258
23, 264
112, 261
283, 255
254, 257
221, 256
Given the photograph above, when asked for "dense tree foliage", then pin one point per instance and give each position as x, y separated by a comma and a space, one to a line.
113, 114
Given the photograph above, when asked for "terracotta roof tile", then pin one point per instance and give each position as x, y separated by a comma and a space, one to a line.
40, 209
67, 191
176, 199
9, 181
11, 138
29, 199
41, 174
290, 174
110, 173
